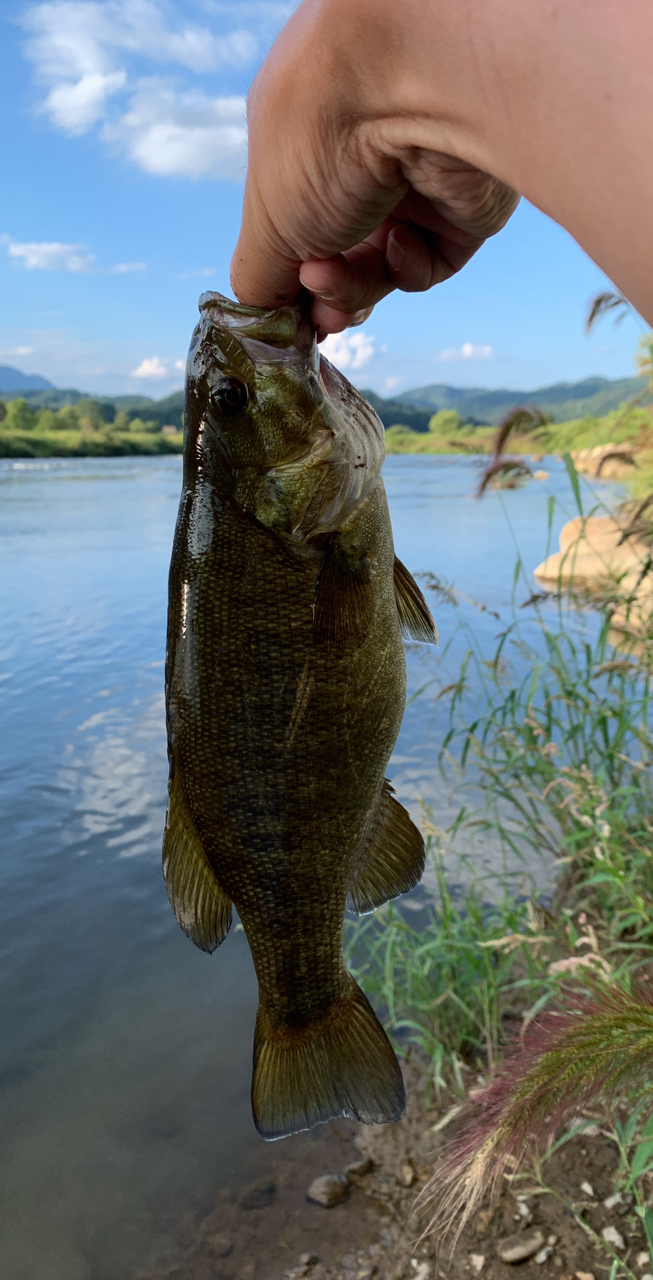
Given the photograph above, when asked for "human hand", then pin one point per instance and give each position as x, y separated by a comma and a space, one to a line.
343, 197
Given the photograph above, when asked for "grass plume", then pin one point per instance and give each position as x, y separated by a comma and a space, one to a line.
596, 1048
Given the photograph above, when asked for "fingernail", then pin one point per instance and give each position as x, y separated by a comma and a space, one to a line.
394, 254
325, 295
359, 317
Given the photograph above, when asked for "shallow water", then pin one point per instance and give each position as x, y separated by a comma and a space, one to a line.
125, 1053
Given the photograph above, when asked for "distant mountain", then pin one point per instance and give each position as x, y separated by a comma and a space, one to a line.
13, 380
564, 400
592, 397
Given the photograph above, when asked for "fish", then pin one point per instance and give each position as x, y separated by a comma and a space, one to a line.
285, 691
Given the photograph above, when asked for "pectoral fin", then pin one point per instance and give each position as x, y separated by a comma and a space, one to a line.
414, 614
201, 907
393, 860
344, 601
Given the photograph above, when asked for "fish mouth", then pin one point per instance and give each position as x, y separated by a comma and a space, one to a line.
281, 327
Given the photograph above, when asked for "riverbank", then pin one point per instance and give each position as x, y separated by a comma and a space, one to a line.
80, 444
620, 443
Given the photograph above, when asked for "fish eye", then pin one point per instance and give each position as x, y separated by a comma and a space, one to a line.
230, 396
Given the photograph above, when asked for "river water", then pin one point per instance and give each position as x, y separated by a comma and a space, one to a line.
125, 1052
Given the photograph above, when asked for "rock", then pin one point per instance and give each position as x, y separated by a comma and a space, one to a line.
329, 1190
587, 1189
259, 1194
613, 1237
406, 1174
521, 1246
584, 1275
359, 1168
477, 1262
642, 1259
552, 1239
544, 1254
308, 1259
523, 1213
592, 557
219, 1245
614, 1200
540, 475
422, 1269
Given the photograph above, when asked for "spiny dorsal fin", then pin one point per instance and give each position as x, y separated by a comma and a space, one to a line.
340, 1063
201, 907
344, 600
414, 614
392, 862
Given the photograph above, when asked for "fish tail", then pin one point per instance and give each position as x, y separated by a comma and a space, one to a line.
339, 1064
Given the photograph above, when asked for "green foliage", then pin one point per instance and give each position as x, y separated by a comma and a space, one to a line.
436, 982
3, 410
445, 422
19, 416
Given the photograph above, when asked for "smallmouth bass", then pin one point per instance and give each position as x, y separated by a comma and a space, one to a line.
285, 690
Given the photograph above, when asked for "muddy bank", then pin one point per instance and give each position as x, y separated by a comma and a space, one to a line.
272, 1231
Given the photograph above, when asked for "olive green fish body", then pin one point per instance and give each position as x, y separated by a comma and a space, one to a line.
285, 691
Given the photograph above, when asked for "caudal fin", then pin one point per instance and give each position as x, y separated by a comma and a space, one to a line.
341, 1064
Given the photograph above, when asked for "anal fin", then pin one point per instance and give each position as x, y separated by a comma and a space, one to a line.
415, 616
392, 862
202, 909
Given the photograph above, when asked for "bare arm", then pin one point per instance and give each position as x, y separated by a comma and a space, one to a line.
375, 127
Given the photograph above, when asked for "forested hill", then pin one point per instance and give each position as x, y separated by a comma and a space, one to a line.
593, 397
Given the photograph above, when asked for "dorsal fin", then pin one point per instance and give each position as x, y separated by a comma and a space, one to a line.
414, 614
201, 907
392, 862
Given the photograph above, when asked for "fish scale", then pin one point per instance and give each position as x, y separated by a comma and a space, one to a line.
285, 685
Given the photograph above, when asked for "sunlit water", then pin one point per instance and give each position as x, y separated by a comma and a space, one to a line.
125, 1052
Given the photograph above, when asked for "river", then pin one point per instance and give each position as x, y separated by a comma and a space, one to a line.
125, 1052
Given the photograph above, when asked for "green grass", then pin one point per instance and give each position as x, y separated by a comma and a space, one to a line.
555, 764
79, 444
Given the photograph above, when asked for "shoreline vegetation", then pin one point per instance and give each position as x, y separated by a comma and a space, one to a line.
618, 445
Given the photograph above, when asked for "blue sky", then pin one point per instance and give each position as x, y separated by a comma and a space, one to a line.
123, 155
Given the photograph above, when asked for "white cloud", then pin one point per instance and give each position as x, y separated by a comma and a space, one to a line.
152, 368
17, 351
75, 107
468, 351
179, 364
84, 54
123, 268
51, 256
182, 135
393, 381
349, 350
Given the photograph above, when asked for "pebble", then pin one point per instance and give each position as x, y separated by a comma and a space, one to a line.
544, 1254
642, 1259
328, 1190
519, 1247
423, 1270
523, 1212
611, 1201
259, 1194
308, 1259
359, 1168
406, 1175
613, 1237
477, 1261
584, 1275
219, 1245
588, 1189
